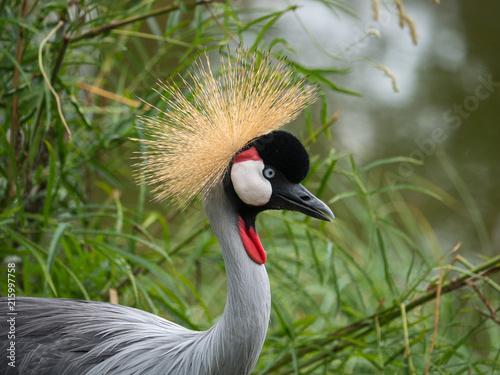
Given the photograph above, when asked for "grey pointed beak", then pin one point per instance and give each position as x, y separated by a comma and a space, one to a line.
296, 197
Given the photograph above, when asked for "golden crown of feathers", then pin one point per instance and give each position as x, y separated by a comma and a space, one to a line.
191, 143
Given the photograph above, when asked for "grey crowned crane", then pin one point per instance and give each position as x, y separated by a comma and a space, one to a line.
223, 145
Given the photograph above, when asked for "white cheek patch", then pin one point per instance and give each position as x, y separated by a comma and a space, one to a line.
250, 184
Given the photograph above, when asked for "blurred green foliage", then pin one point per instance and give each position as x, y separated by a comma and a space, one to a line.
358, 296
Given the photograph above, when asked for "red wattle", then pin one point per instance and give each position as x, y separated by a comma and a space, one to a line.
251, 241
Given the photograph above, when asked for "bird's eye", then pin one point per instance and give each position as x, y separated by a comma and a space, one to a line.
269, 173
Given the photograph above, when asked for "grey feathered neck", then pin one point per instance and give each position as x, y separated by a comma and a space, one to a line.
68, 337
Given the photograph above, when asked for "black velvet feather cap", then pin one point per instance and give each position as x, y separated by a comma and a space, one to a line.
284, 152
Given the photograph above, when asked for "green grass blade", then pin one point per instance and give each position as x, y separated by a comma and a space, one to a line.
55, 245
50, 191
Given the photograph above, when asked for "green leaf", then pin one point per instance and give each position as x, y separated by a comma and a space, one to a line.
50, 191
405, 187
55, 245
37, 252
393, 160
16, 64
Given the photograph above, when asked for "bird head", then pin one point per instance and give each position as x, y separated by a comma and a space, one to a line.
225, 132
266, 175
